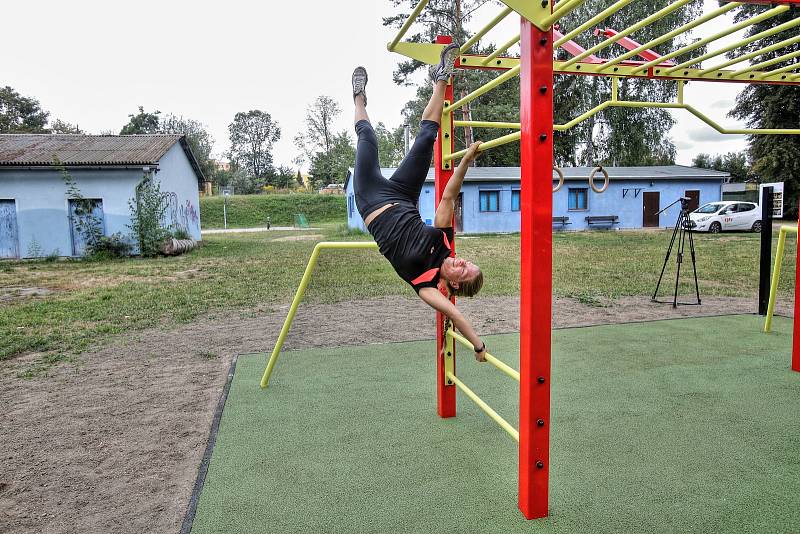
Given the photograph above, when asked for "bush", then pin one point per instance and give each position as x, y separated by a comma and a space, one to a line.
147, 212
181, 233
112, 246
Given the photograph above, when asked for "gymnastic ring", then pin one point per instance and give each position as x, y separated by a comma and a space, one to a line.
560, 179
605, 180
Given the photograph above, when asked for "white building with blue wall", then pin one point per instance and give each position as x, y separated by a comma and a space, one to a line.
37, 215
489, 199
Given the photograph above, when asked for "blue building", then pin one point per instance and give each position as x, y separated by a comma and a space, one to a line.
490, 197
37, 215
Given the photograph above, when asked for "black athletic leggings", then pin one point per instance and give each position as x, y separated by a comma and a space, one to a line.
372, 189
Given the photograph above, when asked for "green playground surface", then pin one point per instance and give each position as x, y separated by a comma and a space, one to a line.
689, 425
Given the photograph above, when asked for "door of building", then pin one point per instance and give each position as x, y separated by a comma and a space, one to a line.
9, 242
80, 223
459, 212
694, 198
650, 206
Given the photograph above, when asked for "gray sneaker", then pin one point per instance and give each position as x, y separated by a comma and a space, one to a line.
446, 66
360, 83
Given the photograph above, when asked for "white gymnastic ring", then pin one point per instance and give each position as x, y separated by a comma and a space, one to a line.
560, 179
605, 180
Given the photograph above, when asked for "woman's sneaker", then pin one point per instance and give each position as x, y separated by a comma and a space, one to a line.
446, 66
360, 83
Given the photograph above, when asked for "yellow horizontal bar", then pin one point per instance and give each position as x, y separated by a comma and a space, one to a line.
505, 139
507, 75
510, 371
702, 42
301, 289
484, 124
738, 44
505, 46
666, 37
407, 25
788, 68
745, 57
769, 63
485, 407
627, 31
494, 22
592, 21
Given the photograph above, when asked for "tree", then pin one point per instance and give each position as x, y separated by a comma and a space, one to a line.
775, 158
200, 141
734, 163
142, 123
20, 114
331, 167
440, 17
252, 135
62, 127
318, 136
391, 145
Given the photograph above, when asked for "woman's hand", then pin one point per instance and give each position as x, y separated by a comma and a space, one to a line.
472, 151
481, 355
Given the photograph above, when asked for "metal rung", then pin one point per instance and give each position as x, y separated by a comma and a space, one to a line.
485, 407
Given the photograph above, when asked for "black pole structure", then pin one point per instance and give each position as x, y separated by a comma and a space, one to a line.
766, 250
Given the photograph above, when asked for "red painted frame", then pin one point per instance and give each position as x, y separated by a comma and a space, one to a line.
445, 394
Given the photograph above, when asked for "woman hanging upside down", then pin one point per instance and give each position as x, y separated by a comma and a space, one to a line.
420, 254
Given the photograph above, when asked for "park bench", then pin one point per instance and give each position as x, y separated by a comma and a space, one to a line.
602, 220
563, 221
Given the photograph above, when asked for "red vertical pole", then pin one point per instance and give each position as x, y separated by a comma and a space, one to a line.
445, 395
536, 266
796, 338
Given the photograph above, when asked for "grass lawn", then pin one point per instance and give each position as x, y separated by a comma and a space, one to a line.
234, 273
668, 426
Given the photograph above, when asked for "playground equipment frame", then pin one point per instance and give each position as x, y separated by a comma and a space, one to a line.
535, 68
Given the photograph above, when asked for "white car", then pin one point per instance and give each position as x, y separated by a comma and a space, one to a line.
715, 217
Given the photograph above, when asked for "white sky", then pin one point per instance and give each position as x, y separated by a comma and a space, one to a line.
92, 63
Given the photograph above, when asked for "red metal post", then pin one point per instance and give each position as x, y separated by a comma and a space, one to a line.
445, 395
536, 267
796, 337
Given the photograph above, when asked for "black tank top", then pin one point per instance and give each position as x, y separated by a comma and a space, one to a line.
415, 250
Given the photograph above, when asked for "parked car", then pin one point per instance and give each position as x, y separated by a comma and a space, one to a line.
715, 217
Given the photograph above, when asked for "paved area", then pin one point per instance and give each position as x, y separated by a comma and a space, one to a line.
260, 229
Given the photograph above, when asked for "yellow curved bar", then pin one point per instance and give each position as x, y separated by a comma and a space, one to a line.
485, 407
505, 139
484, 124
407, 24
510, 371
776, 274
312, 262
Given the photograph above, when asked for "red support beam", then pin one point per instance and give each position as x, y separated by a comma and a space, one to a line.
445, 395
796, 337
536, 267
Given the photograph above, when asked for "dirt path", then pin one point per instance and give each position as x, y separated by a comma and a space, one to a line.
112, 443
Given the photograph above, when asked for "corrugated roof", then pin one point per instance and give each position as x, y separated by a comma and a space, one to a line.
505, 174
76, 150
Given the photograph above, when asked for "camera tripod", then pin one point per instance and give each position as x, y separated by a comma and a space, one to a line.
683, 227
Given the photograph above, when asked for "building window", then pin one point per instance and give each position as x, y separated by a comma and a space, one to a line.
515, 200
578, 199
490, 200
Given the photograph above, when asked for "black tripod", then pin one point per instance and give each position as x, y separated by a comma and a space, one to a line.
683, 227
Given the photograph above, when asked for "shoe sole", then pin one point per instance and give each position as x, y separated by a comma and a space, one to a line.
358, 87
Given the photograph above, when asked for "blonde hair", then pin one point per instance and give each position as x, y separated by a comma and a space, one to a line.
467, 288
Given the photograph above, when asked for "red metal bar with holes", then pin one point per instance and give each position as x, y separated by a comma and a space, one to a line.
536, 267
445, 395
796, 336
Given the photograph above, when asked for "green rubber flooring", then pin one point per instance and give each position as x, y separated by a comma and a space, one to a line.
688, 425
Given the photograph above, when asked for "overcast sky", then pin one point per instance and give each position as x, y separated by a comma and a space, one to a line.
93, 63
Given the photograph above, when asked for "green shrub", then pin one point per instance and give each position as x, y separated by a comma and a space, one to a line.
112, 246
181, 233
246, 211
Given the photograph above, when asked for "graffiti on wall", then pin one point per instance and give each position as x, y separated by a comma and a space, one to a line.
179, 216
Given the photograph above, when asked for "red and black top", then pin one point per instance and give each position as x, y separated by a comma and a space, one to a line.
415, 250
